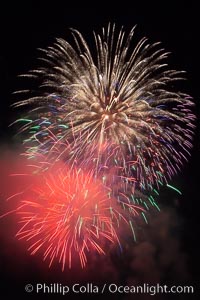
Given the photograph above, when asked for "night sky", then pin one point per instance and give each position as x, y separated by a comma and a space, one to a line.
31, 25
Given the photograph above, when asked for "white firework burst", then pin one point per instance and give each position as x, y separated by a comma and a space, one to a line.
111, 108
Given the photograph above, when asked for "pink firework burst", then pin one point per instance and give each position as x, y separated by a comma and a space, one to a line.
68, 214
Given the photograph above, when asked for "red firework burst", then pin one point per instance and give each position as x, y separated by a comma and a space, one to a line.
68, 213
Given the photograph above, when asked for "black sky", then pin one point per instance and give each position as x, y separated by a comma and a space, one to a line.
28, 25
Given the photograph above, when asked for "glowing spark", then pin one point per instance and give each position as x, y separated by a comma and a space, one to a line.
174, 188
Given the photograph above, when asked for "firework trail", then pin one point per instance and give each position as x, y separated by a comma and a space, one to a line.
111, 109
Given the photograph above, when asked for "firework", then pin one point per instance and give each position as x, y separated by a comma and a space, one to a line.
113, 108
67, 214
115, 119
